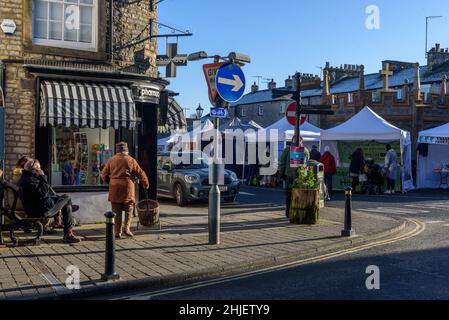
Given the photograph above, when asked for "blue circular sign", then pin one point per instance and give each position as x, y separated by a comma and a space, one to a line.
230, 82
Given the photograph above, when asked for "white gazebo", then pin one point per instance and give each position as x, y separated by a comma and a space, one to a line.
433, 158
369, 126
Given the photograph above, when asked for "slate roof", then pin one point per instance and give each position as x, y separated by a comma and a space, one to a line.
373, 81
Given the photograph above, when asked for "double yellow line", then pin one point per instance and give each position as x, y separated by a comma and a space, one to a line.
418, 228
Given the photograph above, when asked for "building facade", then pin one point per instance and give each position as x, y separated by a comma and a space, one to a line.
408, 95
79, 76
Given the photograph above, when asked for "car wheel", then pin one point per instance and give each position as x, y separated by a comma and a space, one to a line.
180, 196
230, 199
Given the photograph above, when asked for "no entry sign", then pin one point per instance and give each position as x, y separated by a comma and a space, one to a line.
290, 113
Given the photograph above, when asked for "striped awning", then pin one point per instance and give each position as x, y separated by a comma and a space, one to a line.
176, 119
83, 104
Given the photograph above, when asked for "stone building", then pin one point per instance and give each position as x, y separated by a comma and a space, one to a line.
79, 76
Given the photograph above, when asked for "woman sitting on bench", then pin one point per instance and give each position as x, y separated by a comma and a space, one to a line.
39, 200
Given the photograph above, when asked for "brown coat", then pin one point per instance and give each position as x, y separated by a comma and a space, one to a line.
118, 173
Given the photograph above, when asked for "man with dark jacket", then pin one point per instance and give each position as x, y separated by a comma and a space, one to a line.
39, 200
315, 154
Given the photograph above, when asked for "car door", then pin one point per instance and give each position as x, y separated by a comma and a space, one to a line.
164, 176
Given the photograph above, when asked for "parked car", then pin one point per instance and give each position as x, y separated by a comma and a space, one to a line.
188, 180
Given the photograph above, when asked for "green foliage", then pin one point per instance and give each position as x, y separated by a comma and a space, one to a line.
306, 179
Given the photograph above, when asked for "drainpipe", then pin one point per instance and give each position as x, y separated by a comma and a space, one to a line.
111, 31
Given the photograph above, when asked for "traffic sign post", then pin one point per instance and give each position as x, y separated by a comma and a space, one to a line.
226, 84
218, 112
210, 71
290, 114
230, 82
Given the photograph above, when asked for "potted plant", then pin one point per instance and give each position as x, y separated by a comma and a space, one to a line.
305, 205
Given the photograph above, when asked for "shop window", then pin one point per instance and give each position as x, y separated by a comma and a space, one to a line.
78, 155
68, 24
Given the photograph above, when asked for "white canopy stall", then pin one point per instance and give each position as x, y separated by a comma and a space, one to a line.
433, 158
189, 140
369, 126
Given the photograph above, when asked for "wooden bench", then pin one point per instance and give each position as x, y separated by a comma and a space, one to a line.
18, 220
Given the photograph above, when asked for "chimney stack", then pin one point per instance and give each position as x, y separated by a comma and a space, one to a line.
254, 88
289, 83
271, 85
436, 57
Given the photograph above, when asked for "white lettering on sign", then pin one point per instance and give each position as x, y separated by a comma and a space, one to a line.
72, 20
147, 92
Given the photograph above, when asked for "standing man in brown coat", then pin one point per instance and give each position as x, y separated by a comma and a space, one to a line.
118, 172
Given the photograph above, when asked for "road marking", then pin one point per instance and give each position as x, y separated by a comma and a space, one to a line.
391, 210
434, 222
247, 194
418, 229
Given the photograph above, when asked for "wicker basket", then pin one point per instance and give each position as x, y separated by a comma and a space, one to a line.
148, 211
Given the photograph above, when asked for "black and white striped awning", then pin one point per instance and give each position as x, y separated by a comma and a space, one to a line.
83, 104
176, 119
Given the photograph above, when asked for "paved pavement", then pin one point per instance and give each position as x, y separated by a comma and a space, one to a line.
412, 266
255, 234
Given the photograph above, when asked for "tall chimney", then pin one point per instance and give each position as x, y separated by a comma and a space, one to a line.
326, 86
417, 82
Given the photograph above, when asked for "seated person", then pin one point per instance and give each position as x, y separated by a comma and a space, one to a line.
39, 200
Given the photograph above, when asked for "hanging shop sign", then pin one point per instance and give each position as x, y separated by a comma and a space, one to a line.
146, 94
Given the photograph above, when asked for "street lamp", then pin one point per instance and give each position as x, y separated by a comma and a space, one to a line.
427, 27
199, 112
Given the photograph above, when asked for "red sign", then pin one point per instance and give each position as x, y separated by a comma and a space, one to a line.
290, 113
210, 72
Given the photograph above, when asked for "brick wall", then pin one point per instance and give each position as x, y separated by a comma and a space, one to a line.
130, 21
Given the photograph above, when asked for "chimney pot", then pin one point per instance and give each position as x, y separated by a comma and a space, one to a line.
437, 47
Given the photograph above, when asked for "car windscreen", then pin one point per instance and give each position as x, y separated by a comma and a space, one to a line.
189, 161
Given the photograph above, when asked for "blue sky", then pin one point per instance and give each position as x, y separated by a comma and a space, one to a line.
285, 36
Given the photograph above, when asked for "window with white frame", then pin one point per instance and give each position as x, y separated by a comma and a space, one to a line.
400, 94
68, 24
260, 110
350, 97
242, 112
426, 92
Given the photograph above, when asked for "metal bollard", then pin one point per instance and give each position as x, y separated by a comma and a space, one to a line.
348, 231
109, 269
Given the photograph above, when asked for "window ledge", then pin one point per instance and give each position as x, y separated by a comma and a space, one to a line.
35, 48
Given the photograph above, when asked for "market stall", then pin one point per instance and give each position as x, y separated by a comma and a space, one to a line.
369, 131
433, 158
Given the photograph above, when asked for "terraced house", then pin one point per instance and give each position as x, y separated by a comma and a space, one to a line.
79, 76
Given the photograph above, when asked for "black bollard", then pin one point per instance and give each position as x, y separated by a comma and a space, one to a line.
348, 231
109, 269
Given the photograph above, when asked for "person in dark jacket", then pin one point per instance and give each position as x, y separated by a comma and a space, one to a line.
315, 154
356, 167
39, 200
330, 168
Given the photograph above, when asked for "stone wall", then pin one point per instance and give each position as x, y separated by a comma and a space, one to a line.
131, 22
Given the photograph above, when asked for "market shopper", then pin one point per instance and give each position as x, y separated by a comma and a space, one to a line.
356, 167
289, 174
118, 173
390, 169
330, 168
315, 154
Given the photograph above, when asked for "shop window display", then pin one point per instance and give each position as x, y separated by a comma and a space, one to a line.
79, 154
